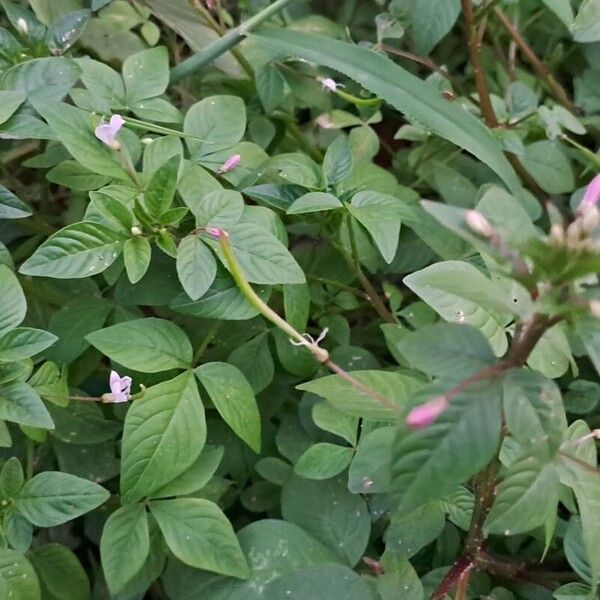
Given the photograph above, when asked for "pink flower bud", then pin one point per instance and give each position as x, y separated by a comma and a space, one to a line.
329, 84
595, 308
427, 413
231, 163
479, 224
214, 232
591, 195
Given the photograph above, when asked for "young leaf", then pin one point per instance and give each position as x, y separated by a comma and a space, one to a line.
13, 304
323, 460
165, 432
147, 345
52, 498
233, 397
79, 250
124, 545
136, 254
146, 74
337, 164
160, 191
380, 215
196, 267
200, 535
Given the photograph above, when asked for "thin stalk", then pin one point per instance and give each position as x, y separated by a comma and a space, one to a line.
139, 124
231, 39
474, 49
557, 90
320, 354
356, 100
593, 158
208, 338
295, 132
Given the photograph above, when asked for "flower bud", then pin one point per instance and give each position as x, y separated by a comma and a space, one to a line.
590, 218
427, 413
557, 234
22, 26
479, 224
135, 230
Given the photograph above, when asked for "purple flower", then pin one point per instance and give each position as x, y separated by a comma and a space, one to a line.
592, 194
120, 387
107, 131
427, 413
231, 163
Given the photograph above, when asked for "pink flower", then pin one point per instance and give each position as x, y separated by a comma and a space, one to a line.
479, 224
591, 195
231, 163
107, 131
427, 413
214, 232
120, 387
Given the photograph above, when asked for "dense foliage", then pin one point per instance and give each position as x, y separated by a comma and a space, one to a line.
299, 299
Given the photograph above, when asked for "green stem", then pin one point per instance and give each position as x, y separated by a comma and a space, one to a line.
356, 100
594, 158
295, 132
231, 39
206, 341
139, 124
320, 354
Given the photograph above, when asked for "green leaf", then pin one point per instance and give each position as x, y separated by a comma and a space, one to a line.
261, 256
448, 350
270, 85
219, 208
52, 498
462, 441
533, 409
136, 254
44, 80
586, 26
549, 167
380, 215
74, 129
404, 91
296, 304
526, 498
101, 80
552, 354
409, 532
200, 535
194, 478
459, 292
13, 305
323, 508
124, 545
394, 388
76, 177
165, 432
60, 573
233, 397
370, 469
66, 30
10, 206
430, 21
196, 267
337, 163
160, 191
329, 418
314, 202
148, 345
79, 250
24, 342
20, 403
219, 121
323, 460
82, 423
18, 580
254, 360
146, 74
9, 102
584, 480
